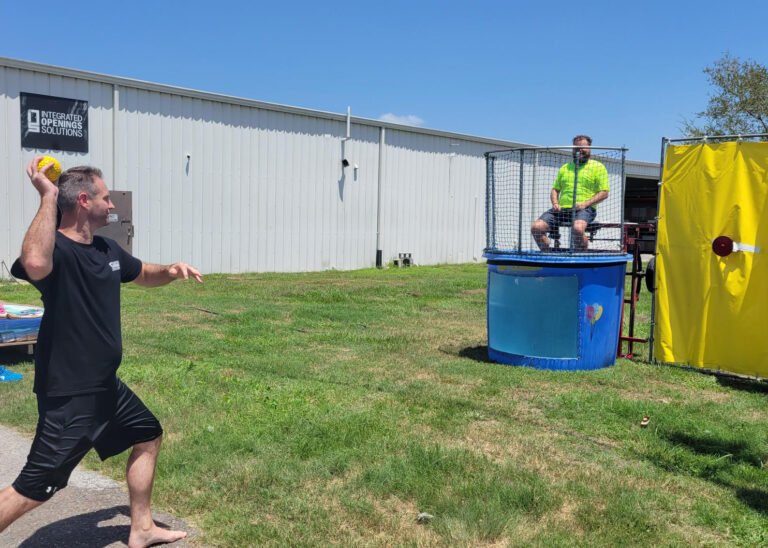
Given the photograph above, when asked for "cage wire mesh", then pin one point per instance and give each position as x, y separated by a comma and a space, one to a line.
518, 187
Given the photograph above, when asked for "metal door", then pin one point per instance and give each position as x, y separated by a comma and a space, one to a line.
120, 227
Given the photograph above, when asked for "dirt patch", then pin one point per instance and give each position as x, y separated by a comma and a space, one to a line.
699, 536
673, 393
480, 291
173, 436
564, 518
424, 375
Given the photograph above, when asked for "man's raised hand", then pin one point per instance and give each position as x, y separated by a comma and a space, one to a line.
43, 185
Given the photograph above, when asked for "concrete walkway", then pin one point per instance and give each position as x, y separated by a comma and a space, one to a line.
92, 512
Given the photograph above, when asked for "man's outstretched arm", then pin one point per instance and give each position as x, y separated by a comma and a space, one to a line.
155, 275
37, 247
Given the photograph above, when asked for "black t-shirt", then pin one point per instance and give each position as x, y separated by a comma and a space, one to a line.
79, 346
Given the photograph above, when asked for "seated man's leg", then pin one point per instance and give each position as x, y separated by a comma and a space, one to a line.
540, 228
583, 218
580, 240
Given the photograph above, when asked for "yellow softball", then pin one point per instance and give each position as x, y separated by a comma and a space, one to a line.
54, 172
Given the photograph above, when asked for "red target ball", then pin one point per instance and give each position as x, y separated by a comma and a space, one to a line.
722, 246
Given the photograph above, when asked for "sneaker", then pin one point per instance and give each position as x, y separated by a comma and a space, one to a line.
7, 376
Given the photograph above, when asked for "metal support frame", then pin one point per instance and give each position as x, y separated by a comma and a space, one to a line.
490, 211
664, 142
705, 138
489, 203
631, 232
520, 209
573, 205
623, 192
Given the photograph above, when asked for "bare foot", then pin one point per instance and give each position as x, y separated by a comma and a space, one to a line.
156, 535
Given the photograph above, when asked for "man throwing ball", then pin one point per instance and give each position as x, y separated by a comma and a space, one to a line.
81, 402
591, 181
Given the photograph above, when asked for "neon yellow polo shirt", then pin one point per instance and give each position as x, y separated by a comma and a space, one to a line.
593, 177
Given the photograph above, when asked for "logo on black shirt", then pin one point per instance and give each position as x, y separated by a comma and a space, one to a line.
115, 265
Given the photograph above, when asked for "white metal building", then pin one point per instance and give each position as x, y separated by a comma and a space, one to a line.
235, 185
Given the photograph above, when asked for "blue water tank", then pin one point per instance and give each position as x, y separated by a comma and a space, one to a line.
555, 311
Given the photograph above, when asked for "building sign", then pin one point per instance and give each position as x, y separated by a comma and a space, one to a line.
54, 123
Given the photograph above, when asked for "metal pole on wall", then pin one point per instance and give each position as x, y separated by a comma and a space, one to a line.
664, 142
382, 145
115, 109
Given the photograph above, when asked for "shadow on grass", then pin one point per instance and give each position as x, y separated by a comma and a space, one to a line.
755, 386
757, 499
715, 460
738, 452
12, 355
475, 353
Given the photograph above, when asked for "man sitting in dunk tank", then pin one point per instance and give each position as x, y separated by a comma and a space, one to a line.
591, 189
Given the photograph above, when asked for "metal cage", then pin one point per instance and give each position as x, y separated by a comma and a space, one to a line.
519, 183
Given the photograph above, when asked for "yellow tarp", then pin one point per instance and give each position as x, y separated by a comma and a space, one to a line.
712, 311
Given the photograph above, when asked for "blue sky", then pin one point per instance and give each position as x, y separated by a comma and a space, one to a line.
525, 71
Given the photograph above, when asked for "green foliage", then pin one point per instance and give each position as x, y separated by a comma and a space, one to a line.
739, 102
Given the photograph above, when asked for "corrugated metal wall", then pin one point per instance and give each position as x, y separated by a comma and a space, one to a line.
19, 201
235, 189
232, 185
433, 198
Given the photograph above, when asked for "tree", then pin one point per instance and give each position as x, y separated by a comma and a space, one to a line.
739, 104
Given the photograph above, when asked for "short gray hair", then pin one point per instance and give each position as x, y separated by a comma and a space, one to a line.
74, 181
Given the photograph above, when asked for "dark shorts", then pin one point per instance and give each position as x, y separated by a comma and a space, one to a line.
563, 217
69, 426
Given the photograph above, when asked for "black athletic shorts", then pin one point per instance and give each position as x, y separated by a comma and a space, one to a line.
557, 218
69, 426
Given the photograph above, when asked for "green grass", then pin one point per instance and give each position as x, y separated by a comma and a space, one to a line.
334, 407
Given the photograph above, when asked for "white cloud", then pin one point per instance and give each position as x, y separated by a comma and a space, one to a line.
408, 119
